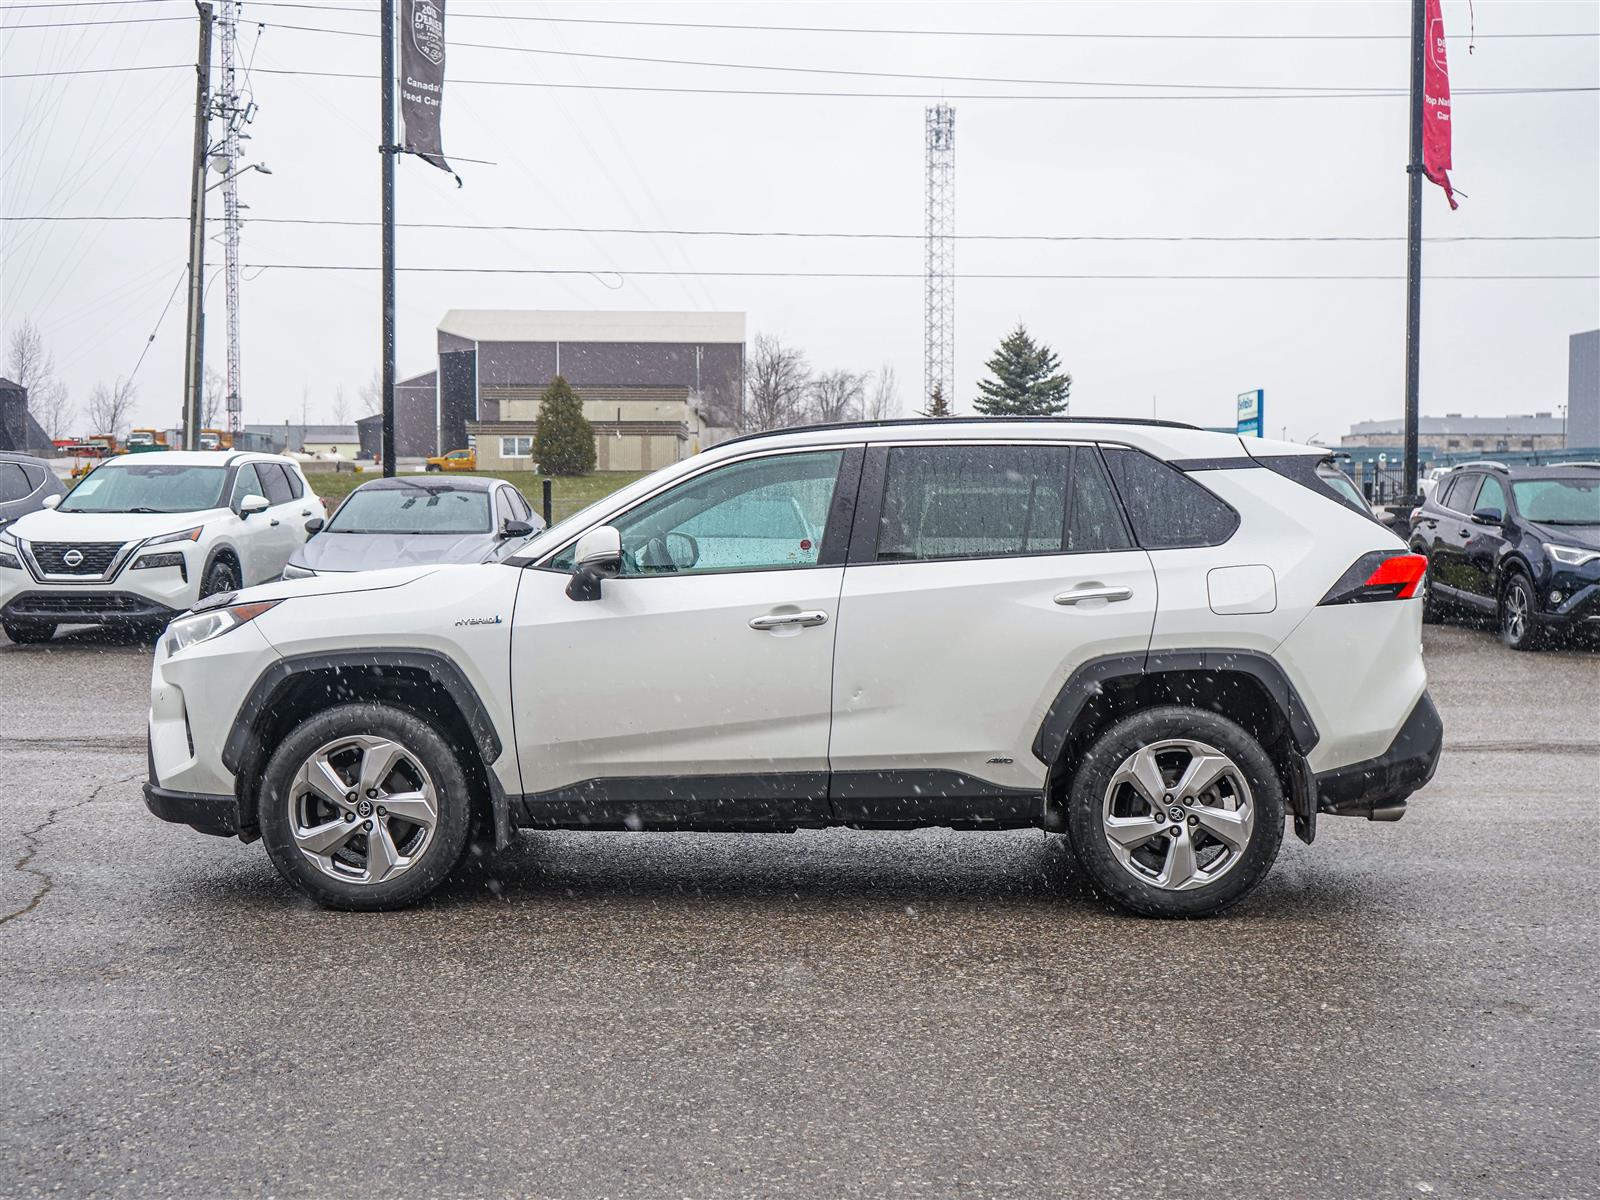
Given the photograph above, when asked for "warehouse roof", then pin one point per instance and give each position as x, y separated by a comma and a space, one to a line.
1526, 424
543, 325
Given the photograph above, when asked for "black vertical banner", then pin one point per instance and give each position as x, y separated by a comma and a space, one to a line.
422, 79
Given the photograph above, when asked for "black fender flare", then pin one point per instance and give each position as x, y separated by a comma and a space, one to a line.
439, 668
1093, 676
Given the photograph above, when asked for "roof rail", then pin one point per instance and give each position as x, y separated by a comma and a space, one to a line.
1493, 466
960, 420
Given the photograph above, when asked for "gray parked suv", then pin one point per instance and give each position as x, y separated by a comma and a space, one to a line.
25, 483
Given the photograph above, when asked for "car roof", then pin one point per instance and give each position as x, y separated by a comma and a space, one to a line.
433, 483
17, 456
1167, 439
196, 458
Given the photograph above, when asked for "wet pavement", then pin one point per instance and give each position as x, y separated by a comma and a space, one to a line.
1401, 1010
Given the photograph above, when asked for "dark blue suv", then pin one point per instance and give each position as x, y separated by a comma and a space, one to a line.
1519, 544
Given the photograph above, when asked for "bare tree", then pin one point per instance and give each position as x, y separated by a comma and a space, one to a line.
211, 404
111, 408
777, 379
883, 395
372, 395
30, 363
341, 406
837, 395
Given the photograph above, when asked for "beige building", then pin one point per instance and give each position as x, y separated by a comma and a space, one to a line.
635, 429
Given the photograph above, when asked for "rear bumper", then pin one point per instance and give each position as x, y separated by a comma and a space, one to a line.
1377, 788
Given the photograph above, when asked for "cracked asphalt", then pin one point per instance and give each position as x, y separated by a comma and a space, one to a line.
1401, 1010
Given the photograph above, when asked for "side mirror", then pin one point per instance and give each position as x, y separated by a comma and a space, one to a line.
597, 556
515, 529
314, 526
1487, 516
251, 505
51, 501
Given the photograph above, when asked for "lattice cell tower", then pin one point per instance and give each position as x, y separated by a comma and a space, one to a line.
939, 332
236, 112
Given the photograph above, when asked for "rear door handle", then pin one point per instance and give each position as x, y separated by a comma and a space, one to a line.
784, 620
1095, 592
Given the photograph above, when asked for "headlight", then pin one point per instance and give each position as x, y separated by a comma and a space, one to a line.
1567, 556
10, 560
172, 558
10, 553
8, 540
294, 571
186, 535
203, 626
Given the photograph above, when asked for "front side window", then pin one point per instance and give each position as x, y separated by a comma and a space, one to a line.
1491, 495
416, 508
147, 487
246, 483
515, 447
1169, 511
763, 514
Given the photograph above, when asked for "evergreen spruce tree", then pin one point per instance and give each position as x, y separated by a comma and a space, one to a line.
1026, 381
564, 440
938, 406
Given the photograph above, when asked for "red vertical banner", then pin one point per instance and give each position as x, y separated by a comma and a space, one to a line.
1436, 105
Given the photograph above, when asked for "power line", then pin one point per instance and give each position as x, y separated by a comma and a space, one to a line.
850, 235
96, 71
715, 91
879, 274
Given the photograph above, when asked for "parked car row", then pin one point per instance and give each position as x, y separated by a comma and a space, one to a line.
1517, 545
145, 537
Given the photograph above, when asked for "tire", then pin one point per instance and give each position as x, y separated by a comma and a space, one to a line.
433, 467
1243, 803
1519, 611
28, 633
336, 871
221, 576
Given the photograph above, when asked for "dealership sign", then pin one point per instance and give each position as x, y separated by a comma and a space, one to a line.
422, 80
1252, 413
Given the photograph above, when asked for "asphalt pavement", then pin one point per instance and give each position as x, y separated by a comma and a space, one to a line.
1401, 1010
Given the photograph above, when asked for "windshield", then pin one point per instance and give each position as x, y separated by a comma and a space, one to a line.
1572, 501
147, 487
416, 508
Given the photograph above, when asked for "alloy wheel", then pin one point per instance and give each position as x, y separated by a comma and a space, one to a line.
363, 809
1515, 615
1178, 814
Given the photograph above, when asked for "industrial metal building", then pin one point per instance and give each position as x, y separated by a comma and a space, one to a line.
657, 386
18, 430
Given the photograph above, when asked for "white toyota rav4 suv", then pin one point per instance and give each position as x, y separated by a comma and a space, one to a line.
143, 537
1161, 641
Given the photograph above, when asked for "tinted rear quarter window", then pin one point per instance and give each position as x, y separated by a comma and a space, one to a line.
1168, 510
273, 479
14, 482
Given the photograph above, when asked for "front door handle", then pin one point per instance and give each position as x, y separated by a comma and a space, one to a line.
274, 521
784, 620
1095, 591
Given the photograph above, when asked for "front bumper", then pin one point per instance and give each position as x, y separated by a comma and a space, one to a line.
200, 811
1377, 788
1579, 606
79, 607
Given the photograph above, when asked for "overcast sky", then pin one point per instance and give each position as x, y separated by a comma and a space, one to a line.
1326, 352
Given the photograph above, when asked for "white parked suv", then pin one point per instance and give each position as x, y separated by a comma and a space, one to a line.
1161, 641
144, 537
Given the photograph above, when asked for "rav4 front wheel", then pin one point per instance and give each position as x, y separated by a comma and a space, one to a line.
365, 807
1175, 812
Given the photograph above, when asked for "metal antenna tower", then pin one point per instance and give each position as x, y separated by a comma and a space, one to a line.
939, 308
232, 108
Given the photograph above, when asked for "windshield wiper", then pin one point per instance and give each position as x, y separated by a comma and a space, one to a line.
1536, 521
145, 508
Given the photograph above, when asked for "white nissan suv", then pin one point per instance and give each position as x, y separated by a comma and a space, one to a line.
144, 537
1161, 641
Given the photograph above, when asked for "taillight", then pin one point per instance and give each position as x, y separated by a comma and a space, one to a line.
1379, 575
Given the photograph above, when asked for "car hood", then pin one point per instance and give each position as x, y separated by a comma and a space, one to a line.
52, 525
375, 551
333, 585
1587, 536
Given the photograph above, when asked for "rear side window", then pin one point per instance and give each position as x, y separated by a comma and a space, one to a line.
944, 502
14, 482
272, 478
1167, 509
1459, 492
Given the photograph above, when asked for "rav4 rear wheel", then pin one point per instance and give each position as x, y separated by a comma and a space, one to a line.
365, 807
1175, 812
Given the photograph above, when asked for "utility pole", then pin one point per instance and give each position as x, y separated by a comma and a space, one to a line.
1419, 41
389, 152
195, 338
